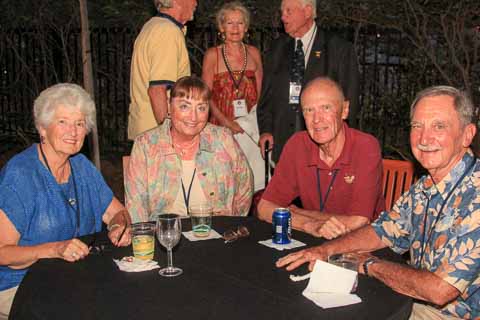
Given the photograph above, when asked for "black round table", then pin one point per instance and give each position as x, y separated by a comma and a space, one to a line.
220, 281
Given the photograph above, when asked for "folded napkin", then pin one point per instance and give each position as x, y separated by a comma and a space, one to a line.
330, 286
132, 264
292, 245
213, 235
331, 300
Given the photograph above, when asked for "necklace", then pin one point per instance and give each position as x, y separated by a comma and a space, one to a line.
229, 68
73, 203
183, 149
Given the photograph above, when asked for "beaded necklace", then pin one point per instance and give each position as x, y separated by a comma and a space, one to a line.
229, 68
183, 149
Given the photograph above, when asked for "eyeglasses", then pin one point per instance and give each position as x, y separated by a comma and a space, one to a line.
235, 234
100, 246
99, 249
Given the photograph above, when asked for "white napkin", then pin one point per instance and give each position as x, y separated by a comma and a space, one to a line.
213, 235
132, 264
330, 286
292, 245
331, 300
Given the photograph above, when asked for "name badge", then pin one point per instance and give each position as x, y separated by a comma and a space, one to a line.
295, 89
239, 108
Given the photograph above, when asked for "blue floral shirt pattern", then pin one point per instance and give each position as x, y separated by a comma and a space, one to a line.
440, 225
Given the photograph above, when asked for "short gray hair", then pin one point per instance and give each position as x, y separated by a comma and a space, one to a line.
159, 4
312, 3
232, 6
461, 101
67, 95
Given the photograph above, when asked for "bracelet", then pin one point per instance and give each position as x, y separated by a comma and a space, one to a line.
367, 263
113, 226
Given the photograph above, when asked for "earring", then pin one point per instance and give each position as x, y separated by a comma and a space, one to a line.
42, 139
221, 36
247, 37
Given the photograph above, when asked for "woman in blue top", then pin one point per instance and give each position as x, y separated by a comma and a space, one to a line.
50, 195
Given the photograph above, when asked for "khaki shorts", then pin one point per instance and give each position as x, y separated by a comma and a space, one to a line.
6, 300
424, 312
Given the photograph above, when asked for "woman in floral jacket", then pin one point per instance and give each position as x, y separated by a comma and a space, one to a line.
186, 161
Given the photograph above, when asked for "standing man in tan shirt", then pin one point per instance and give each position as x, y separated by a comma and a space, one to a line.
160, 57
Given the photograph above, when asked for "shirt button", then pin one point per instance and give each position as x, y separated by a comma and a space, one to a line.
204, 174
212, 193
330, 173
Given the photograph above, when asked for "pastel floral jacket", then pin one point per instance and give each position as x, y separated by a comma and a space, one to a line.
153, 178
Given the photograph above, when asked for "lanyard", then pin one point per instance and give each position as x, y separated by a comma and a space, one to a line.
309, 45
319, 190
229, 69
426, 241
70, 202
186, 196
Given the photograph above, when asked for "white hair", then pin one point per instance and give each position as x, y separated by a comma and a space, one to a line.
232, 6
67, 95
461, 101
312, 3
159, 4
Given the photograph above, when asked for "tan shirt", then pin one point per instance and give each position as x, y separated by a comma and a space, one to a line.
197, 196
160, 57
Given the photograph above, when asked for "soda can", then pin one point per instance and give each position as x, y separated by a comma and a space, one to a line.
282, 226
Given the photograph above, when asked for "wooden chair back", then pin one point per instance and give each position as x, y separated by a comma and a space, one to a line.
398, 176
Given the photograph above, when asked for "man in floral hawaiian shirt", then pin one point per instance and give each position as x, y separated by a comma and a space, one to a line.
437, 220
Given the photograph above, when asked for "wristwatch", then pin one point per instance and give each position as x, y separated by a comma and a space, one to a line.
367, 263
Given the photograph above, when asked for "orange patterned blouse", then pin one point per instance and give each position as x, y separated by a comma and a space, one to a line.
223, 91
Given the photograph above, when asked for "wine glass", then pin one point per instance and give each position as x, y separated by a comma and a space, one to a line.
169, 230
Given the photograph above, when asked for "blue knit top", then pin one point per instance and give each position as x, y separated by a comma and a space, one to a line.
37, 205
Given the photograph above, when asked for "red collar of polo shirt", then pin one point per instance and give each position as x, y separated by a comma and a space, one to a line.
344, 159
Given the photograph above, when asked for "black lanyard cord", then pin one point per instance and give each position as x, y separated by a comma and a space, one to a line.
310, 44
75, 208
230, 71
186, 196
319, 190
426, 241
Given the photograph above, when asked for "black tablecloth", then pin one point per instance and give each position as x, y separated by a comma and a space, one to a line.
220, 281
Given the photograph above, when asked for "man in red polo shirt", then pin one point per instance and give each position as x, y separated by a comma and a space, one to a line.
335, 170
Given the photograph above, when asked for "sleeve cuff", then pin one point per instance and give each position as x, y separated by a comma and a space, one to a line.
167, 83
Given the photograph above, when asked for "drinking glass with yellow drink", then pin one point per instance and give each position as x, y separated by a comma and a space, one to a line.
143, 241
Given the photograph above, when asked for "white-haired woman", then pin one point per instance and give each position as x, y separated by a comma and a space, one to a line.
50, 195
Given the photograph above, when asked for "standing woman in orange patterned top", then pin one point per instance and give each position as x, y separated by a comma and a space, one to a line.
233, 70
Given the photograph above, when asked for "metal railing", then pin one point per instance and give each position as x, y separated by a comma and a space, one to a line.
31, 60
